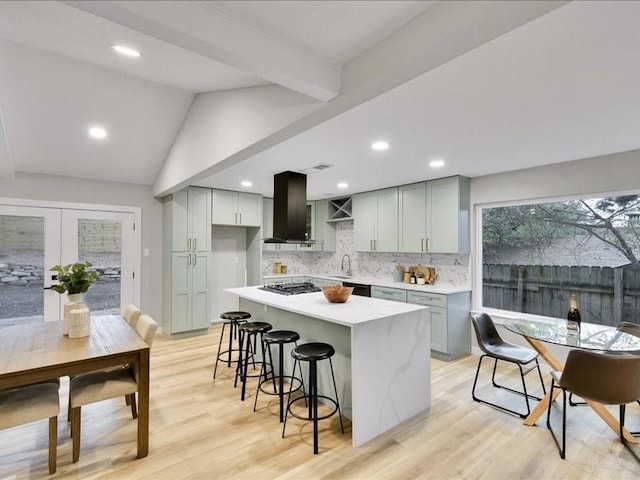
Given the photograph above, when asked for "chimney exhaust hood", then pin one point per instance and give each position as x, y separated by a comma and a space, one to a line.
289, 208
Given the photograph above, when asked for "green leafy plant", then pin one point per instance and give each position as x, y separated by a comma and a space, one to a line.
74, 278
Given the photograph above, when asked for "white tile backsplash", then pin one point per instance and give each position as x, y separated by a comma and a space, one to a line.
452, 269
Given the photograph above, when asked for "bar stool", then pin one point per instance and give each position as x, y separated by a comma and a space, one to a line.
313, 353
280, 338
249, 331
233, 319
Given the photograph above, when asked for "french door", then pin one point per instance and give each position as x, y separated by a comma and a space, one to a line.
33, 239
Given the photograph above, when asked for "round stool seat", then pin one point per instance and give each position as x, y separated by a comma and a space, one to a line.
310, 352
255, 327
281, 336
235, 316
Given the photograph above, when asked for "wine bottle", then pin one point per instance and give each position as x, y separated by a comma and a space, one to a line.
573, 317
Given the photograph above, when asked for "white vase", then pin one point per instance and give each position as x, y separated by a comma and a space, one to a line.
75, 301
79, 321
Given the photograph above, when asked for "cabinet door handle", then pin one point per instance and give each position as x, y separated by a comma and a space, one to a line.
422, 244
188, 245
188, 259
427, 247
195, 259
240, 218
194, 244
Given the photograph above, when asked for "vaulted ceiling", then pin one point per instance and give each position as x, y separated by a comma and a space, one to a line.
486, 86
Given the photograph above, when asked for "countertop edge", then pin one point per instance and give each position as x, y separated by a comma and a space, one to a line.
438, 289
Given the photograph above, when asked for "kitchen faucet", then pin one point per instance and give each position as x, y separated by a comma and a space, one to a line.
348, 271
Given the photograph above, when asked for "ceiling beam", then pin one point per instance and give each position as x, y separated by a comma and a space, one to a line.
203, 28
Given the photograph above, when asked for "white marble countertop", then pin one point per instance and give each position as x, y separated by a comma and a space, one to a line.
441, 289
356, 310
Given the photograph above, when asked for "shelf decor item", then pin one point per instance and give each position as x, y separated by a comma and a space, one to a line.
398, 274
74, 280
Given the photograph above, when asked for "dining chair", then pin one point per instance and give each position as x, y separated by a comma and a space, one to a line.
493, 346
598, 377
101, 385
29, 404
131, 314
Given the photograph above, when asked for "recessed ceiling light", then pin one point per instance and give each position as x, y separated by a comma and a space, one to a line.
343, 185
246, 183
97, 132
436, 164
380, 145
126, 51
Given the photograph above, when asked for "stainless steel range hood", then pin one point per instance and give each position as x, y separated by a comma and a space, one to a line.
289, 208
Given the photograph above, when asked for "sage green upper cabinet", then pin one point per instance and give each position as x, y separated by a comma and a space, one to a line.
434, 216
375, 221
236, 208
325, 232
191, 225
412, 217
448, 215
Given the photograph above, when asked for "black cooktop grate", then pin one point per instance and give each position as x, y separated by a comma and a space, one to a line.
291, 288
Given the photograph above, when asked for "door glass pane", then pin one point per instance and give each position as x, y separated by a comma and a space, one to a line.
21, 269
100, 242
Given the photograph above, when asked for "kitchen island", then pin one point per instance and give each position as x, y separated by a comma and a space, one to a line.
382, 360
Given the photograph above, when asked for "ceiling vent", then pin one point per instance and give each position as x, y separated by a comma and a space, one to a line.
321, 166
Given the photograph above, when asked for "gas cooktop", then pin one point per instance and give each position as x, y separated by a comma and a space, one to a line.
291, 288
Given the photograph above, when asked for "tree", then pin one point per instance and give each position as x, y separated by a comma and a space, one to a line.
613, 220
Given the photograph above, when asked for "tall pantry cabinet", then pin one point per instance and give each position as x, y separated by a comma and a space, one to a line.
187, 282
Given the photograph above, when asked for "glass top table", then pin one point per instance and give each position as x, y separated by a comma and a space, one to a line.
591, 337
601, 338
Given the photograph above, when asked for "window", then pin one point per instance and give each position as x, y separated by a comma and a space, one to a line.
535, 256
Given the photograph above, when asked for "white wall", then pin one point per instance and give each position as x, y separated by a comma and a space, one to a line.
65, 189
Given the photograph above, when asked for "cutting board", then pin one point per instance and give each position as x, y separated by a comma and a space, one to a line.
429, 273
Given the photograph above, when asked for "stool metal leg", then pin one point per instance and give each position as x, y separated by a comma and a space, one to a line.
239, 366
286, 412
313, 373
281, 379
215, 368
233, 328
245, 366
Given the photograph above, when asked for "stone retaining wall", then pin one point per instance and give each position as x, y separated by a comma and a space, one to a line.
23, 274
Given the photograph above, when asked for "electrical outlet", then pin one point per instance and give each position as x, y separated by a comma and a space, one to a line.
266, 307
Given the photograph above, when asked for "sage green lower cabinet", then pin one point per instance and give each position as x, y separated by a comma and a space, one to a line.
450, 325
190, 287
323, 282
396, 294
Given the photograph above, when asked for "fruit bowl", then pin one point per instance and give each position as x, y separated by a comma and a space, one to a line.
337, 293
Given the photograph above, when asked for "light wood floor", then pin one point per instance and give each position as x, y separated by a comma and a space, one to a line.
201, 430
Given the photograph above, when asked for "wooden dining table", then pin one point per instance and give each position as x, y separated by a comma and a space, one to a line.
37, 352
601, 338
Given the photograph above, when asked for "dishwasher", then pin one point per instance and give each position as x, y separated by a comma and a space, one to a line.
359, 288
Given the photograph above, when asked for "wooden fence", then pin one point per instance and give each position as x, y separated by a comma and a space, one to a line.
606, 295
